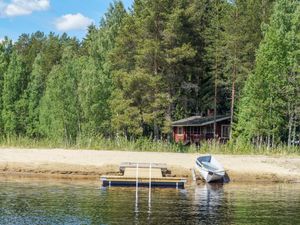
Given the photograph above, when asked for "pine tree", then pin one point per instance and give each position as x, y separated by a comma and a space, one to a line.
137, 80
215, 51
235, 69
183, 48
160, 39
253, 16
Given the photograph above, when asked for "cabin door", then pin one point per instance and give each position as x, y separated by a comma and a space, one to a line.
188, 133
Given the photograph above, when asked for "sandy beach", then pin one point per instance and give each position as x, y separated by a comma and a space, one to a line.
89, 164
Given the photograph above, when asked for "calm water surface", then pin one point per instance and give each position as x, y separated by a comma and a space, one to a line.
51, 202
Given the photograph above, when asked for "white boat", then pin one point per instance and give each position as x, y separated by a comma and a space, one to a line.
209, 168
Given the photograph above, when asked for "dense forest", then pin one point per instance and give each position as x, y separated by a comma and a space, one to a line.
159, 61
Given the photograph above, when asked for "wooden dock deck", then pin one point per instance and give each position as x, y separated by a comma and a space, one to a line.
143, 174
127, 165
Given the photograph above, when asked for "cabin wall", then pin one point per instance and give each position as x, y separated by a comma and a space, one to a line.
201, 133
179, 134
218, 130
221, 126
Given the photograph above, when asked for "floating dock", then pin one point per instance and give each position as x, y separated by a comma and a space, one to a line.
144, 175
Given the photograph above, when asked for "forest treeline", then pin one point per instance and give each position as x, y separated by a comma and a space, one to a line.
159, 61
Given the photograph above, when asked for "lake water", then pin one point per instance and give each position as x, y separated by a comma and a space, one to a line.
56, 202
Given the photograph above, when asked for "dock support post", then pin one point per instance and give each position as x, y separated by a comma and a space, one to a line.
149, 197
150, 185
193, 174
137, 178
137, 187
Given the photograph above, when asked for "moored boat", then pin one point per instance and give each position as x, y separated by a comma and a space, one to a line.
209, 168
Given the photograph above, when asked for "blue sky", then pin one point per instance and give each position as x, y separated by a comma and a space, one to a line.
70, 16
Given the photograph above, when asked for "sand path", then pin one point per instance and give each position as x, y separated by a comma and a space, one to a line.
89, 163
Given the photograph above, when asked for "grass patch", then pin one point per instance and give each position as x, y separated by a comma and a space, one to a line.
148, 145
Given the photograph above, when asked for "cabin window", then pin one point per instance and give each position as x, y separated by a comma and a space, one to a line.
225, 131
209, 129
189, 130
196, 130
180, 130
203, 130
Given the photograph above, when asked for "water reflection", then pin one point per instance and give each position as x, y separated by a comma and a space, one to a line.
209, 198
211, 204
72, 203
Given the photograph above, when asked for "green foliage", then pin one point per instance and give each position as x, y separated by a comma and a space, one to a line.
148, 145
5, 52
96, 86
159, 46
269, 92
12, 94
59, 114
93, 92
36, 91
137, 71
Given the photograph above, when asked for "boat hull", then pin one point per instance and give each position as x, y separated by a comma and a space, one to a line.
210, 176
209, 173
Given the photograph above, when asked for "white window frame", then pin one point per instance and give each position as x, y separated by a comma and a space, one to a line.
222, 133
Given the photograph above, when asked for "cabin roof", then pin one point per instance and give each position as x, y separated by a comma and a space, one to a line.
199, 121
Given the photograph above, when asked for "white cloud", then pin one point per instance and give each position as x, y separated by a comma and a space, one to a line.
72, 22
24, 7
1, 40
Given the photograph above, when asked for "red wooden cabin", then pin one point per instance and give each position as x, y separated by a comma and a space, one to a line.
197, 128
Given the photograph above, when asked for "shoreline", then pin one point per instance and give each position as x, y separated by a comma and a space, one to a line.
91, 164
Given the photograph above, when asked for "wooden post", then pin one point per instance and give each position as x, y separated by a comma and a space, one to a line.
149, 199
136, 188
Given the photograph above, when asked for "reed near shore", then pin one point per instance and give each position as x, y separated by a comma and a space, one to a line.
150, 145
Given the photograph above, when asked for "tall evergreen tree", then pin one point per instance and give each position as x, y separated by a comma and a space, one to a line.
143, 63
215, 52
161, 39
183, 49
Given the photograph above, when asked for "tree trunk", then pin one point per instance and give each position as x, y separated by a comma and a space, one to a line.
268, 141
156, 132
215, 81
260, 141
273, 138
290, 126
234, 77
168, 118
294, 132
232, 106
215, 109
